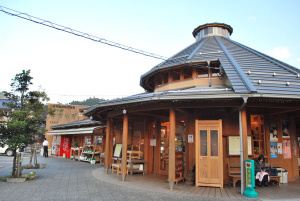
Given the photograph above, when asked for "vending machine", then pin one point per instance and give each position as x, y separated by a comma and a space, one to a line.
57, 146
65, 147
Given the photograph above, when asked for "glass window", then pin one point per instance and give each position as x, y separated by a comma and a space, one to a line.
219, 31
187, 72
205, 31
215, 72
258, 134
203, 142
210, 30
214, 142
202, 72
158, 80
175, 74
166, 77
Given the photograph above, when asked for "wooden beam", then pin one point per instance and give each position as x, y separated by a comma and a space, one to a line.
184, 111
124, 147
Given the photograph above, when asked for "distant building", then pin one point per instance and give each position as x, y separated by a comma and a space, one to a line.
63, 114
4, 111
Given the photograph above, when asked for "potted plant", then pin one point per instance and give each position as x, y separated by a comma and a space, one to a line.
75, 144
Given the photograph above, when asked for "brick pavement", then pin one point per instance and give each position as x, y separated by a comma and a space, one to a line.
64, 179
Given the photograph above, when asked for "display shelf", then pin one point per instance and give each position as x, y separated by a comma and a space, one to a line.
90, 153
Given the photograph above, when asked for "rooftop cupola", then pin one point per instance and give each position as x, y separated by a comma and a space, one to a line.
212, 29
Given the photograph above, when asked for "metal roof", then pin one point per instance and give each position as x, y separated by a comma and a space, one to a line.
88, 130
250, 73
80, 123
248, 70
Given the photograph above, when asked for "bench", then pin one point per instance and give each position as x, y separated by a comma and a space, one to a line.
116, 167
234, 170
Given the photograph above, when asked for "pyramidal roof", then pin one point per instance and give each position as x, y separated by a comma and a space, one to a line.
248, 70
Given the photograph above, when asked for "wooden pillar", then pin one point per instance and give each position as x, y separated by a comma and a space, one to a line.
124, 146
245, 134
107, 152
171, 174
244, 138
157, 147
111, 141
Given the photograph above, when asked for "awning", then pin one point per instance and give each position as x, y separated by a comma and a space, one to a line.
74, 131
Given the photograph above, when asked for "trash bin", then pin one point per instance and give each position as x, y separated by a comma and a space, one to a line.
284, 177
280, 170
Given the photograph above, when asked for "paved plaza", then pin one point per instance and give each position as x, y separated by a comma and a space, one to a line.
63, 179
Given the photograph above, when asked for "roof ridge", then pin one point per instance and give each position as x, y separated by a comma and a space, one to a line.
240, 73
197, 48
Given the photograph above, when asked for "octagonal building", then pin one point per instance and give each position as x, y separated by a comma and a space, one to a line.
215, 103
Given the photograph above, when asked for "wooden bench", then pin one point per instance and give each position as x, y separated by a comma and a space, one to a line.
234, 170
272, 178
116, 167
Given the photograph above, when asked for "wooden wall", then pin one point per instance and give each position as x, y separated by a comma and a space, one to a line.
230, 127
63, 114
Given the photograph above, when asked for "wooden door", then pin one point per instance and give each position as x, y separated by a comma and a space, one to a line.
209, 154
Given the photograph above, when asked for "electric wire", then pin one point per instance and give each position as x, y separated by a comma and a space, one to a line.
47, 23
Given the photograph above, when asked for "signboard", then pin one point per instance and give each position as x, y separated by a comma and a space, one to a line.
234, 145
250, 179
286, 146
118, 150
153, 142
273, 149
190, 138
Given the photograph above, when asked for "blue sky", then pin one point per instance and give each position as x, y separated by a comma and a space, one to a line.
70, 68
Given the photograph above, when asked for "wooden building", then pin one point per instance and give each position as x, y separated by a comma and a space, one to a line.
63, 114
200, 104
81, 140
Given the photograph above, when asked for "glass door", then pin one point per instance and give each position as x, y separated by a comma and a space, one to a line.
164, 148
209, 160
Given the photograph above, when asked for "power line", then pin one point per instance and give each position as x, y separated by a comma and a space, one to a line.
77, 33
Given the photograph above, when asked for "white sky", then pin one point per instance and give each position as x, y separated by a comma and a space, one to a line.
70, 68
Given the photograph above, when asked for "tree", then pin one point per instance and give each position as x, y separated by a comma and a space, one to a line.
28, 116
88, 102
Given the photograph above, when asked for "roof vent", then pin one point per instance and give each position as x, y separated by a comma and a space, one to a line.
287, 83
249, 72
259, 82
274, 74
298, 75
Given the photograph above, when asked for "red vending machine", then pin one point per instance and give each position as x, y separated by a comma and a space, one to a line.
65, 147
